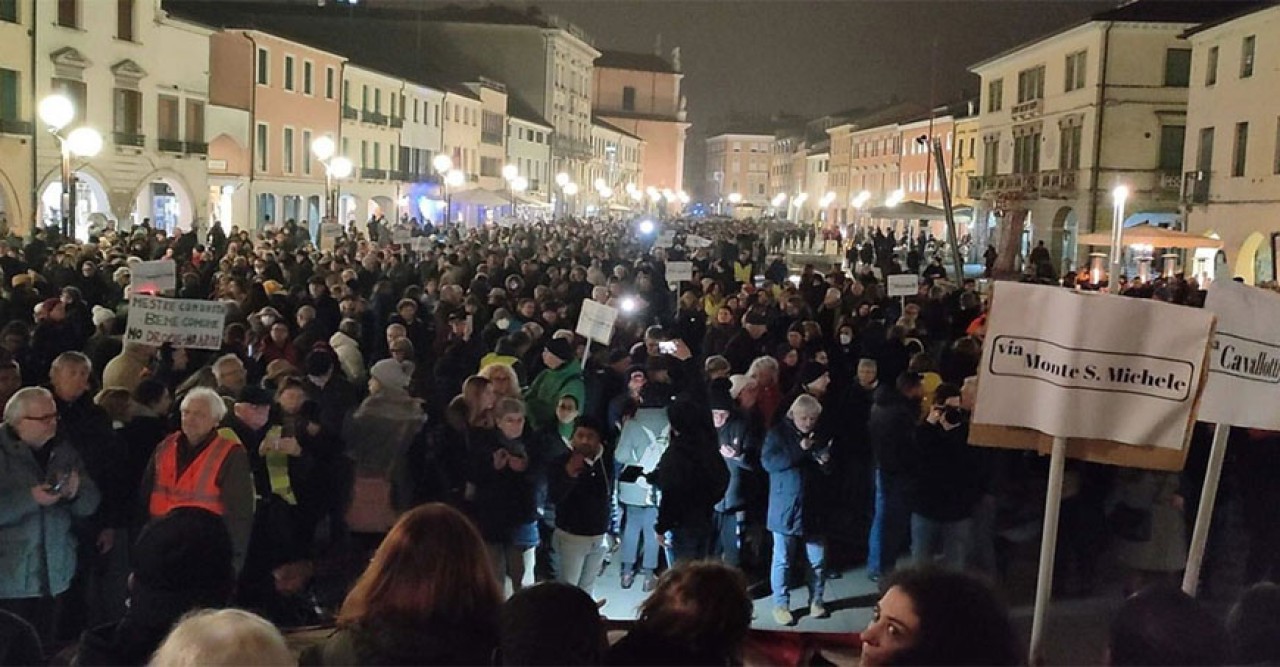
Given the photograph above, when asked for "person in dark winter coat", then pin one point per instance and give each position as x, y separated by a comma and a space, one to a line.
947, 482
181, 562
692, 478
794, 455
501, 494
741, 455
891, 428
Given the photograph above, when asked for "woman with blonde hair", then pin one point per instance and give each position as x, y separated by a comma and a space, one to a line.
226, 637
428, 597
504, 381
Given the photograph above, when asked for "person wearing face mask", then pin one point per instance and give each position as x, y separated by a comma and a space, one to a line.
795, 457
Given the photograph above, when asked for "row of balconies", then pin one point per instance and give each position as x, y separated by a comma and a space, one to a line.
371, 117
562, 145
1064, 182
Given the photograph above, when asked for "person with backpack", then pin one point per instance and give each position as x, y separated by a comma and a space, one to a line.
796, 457
691, 478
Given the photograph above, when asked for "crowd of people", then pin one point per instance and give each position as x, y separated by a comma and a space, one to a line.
431, 406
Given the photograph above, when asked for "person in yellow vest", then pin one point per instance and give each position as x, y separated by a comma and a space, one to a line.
203, 466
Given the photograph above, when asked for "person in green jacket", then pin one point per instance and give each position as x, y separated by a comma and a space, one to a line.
562, 377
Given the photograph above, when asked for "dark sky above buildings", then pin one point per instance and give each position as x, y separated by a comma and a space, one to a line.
812, 58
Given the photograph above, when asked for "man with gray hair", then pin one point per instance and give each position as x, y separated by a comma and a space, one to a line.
203, 466
230, 373
43, 487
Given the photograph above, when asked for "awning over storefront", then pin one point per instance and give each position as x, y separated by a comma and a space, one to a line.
907, 210
480, 197
1157, 237
525, 199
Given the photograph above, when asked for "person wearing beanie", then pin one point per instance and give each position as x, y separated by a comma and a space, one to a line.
378, 436
562, 377
750, 342
102, 346
691, 478
181, 562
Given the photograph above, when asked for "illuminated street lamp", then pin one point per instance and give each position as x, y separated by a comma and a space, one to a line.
443, 164
1119, 195
509, 174
895, 198
323, 148
57, 111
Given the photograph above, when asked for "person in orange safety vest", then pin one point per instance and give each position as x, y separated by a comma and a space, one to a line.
203, 466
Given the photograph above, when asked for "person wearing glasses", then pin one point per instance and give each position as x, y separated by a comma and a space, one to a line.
43, 487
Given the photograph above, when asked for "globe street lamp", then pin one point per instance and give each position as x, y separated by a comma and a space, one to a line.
56, 111
335, 170
443, 164
323, 148
570, 191
453, 179
509, 174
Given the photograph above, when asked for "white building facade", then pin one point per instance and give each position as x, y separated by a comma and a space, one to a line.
1068, 118
1231, 186
115, 61
372, 141
529, 149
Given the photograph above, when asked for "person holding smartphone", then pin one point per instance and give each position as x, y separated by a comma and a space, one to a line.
43, 488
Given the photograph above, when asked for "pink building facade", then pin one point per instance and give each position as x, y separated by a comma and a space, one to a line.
640, 94
270, 98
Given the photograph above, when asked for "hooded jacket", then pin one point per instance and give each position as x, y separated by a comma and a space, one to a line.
349, 357
541, 396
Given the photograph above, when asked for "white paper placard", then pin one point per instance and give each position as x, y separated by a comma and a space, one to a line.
401, 236
666, 239
193, 323
596, 321
1243, 388
678, 272
153, 277
329, 233
695, 241
903, 284
1096, 367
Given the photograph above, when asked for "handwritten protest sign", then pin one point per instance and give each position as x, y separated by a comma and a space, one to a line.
192, 323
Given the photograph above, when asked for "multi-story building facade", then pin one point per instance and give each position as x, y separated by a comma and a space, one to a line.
373, 103
270, 98
115, 61
738, 163
1231, 185
617, 157
544, 61
964, 159
920, 179
421, 139
1067, 118
529, 149
817, 204
640, 94
18, 203
785, 183
492, 150
462, 114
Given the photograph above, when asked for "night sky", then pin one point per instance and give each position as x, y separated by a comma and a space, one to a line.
812, 58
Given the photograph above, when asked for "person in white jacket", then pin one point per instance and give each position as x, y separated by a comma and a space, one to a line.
345, 345
640, 447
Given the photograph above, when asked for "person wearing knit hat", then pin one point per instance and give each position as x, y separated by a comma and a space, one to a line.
562, 377
102, 315
813, 379
392, 374
182, 561
560, 348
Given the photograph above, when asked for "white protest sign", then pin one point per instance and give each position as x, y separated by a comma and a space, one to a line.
1243, 388
329, 233
904, 284
421, 243
678, 272
1091, 367
193, 323
666, 239
695, 241
831, 248
401, 236
596, 321
153, 277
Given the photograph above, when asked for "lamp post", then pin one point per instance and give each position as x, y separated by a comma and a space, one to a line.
323, 148
518, 184
452, 181
562, 179
443, 164
570, 191
335, 170
56, 111
509, 174
1118, 196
